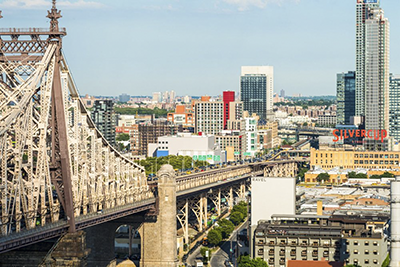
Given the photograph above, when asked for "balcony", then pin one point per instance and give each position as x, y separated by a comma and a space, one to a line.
260, 242
271, 252
271, 243
304, 253
282, 253
315, 254
293, 253
271, 261
282, 262
315, 244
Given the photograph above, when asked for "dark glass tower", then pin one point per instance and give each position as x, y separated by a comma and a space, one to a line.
256, 90
394, 107
346, 96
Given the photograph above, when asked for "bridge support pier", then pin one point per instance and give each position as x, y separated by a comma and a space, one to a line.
69, 251
159, 244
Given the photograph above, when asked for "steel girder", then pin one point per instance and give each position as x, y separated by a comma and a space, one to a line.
46, 137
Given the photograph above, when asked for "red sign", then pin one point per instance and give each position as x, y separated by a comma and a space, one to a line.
371, 134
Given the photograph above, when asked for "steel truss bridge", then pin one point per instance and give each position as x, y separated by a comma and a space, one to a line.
58, 173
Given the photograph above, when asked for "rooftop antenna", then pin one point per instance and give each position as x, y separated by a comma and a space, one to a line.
54, 15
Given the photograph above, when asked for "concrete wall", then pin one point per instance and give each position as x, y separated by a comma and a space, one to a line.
271, 195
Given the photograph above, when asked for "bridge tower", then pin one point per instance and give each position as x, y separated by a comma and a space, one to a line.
159, 234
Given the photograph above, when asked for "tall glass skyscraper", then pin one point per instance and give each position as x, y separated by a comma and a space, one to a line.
363, 8
346, 96
372, 65
256, 90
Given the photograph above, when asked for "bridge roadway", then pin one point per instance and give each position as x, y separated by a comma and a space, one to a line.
28, 237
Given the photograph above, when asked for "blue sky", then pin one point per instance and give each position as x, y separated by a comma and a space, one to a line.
197, 47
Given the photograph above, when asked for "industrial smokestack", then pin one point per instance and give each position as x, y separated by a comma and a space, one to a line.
395, 223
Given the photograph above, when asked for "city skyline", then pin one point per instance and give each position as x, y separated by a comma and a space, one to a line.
200, 47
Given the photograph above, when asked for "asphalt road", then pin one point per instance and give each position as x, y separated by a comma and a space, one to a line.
218, 259
190, 260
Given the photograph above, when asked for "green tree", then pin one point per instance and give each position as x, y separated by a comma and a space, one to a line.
236, 217
361, 175
245, 261
257, 262
323, 177
226, 227
241, 207
352, 175
143, 111
153, 164
214, 237
301, 173
386, 262
387, 174
375, 176
122, 137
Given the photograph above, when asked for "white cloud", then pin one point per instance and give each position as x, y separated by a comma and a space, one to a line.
243, 5
154, 7
42, 4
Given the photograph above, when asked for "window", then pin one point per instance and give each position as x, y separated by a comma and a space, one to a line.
366, 243
355, 251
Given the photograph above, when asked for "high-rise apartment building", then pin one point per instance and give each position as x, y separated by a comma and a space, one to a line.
372, 65
104, 118
249, 131
209, 116
235, 115
149, 132
394, 107
256, 90
282, 94
156, 97
363, 8
172, 96
346, 96
376, 71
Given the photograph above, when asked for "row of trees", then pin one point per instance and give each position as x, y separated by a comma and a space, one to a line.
226, 227
383, 175
153, 164
325, 176
306, 103
357, 175
143, 111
